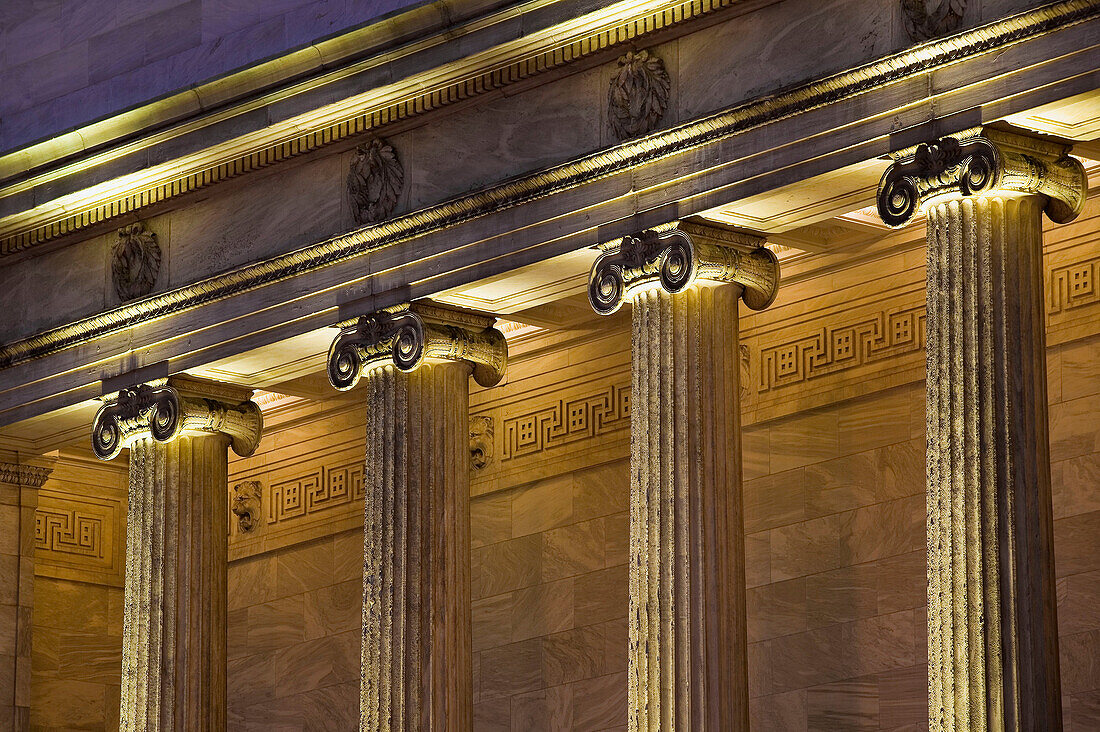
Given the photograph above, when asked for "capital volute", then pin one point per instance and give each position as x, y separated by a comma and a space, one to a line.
674, 258
164, 409
982, 161
406, 336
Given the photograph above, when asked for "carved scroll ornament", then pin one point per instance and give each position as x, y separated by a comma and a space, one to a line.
982, 161
638, 96
374, 182
407, 335
673, 260
135, 262
161, 412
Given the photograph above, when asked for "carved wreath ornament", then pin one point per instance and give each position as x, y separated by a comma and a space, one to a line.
638, 96
925, 19
135, 262
374, 182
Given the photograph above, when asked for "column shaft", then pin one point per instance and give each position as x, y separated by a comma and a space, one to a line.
174, 627
416, 655
687, 658
19, 486
993, 645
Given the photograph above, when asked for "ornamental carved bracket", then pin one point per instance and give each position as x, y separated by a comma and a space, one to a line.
926, 19
979, 162
164, 410
481, 441
247, 504
406, 335
675, 258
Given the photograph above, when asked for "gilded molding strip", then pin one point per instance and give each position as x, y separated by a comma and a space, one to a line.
433, 98
559, 178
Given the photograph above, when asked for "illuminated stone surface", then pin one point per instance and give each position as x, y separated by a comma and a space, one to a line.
174, 625
992, 620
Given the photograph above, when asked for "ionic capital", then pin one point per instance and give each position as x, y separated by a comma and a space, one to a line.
167, 408
674, 258
408, 335
981, 161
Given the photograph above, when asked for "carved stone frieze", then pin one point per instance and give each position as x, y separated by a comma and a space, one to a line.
374, 182
980, 161
23, 475
135, 262
638, 96
674, 258
167, 408
481, 441
247, 505
406, 335
927, 19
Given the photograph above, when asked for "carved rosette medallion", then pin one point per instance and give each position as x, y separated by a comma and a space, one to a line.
638, 96
165, 409
247, 502
926, 19
135, 262
481, 441
675, 258
407, 335
375, 181
979, 162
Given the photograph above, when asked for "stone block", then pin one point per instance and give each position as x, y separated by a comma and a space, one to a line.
512, 669
851, 704
777, 609
903, 697
617, 539
1080, 662
67, 605
543, 505
784, 712
600, 703
883, 530
573, 654
542, 609
1073, 485
317, 663
573, 549
277, 624
601, 596
775, 500
805, 548
491, 620
1075, 541
490, 519
67, 704
1079, 603
601, 490
805, 438
252, 581
347, 548
506, 566
88, 657
545, 709
883, 420
304, 567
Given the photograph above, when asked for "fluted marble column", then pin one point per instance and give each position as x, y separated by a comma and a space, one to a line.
992, 624
174, 613
20, 480
416, 361
687, 655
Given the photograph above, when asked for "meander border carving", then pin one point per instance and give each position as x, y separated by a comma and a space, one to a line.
563, 177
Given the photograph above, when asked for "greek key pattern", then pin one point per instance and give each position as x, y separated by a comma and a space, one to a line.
838, 348
68, 532
566, 421
318, 490
1073, 285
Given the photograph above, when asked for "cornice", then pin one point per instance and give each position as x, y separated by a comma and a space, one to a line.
533, 54
755, 113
